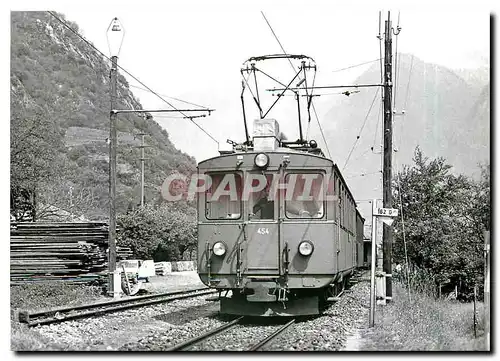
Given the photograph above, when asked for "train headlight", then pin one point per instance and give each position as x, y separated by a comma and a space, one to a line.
219, 249
306, 248
261, 160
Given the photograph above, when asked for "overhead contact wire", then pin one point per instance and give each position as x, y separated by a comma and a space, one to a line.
128, 73
361, 130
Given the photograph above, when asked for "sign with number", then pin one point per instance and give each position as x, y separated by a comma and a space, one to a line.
387, 212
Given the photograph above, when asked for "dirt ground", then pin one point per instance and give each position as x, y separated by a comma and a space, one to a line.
175, 281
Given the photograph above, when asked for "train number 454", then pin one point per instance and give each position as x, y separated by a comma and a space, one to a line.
263, 230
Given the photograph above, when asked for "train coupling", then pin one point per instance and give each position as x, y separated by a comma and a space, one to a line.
282, 294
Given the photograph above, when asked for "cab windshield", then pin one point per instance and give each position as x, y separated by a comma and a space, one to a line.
304, 198
261, 202
223, 197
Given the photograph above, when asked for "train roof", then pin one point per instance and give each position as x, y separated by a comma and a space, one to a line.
317, 154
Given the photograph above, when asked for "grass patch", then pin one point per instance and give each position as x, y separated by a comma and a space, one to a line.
424, 324
43, 296
52, 294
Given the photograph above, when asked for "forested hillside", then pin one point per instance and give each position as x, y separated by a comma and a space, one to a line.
60, 124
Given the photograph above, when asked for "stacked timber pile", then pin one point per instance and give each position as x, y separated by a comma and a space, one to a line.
75, 252
163, 268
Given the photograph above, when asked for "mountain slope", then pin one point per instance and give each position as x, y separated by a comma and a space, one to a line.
444, 114
67, 81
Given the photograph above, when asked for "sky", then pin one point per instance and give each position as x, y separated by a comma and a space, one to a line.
195, 52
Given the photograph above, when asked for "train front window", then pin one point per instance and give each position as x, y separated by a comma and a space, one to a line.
261, 201
304, 198
223, 198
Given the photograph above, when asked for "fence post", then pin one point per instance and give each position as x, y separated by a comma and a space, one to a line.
487, 289
475, 320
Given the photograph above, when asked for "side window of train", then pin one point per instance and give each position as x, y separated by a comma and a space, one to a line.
348, 203
347, 213
307, 199
330, 193
342, 204
223, 198
339, 208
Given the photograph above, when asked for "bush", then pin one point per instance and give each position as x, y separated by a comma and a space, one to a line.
162, 232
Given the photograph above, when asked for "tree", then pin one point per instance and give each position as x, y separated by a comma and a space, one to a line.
443, 217
34, 146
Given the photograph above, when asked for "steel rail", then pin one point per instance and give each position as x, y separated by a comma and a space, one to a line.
197, 339
58, 314
271, 337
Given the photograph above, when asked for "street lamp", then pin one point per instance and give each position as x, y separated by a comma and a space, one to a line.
115, 34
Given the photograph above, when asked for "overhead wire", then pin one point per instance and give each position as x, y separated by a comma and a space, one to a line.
382, 60
356, 65
361, 130
278, 40
321, 130
168, 117
362, 154
380, 46
128, 73
167, 96
293, 68
396, 80
396, 69
363, 174
376, 127
406, 100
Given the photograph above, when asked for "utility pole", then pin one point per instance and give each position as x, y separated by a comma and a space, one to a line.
377, 283
387, 173
142, 146
112, 180
115, 35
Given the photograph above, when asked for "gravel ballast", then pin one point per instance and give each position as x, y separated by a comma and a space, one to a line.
328, 332
159, 327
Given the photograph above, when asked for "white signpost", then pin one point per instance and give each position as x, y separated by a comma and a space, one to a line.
391, 212
386, 215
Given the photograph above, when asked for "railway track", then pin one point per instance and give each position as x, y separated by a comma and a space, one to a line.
184, 346
62, 314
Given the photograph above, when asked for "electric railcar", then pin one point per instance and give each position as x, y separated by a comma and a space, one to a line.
278, 229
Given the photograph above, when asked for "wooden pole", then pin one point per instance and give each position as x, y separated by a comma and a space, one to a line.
112, 180
487, 289
475, 320
387, 169
372, 275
